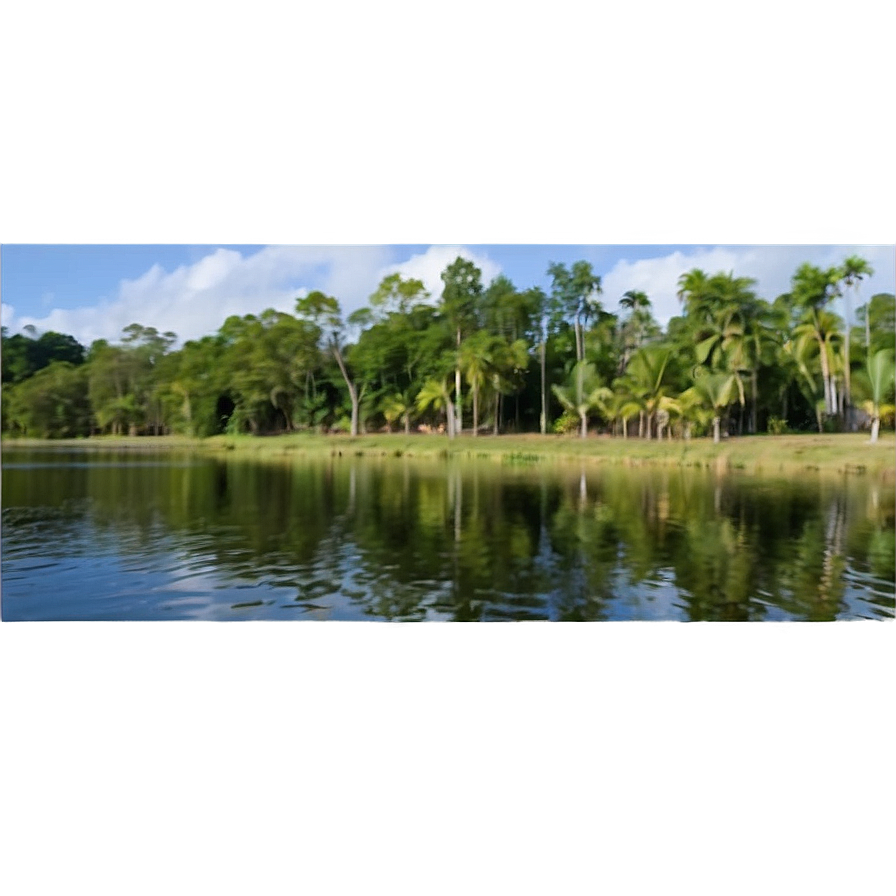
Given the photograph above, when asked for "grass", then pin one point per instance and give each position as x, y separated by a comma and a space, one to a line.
847, 453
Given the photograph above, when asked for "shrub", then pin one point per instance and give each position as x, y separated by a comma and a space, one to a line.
567, 422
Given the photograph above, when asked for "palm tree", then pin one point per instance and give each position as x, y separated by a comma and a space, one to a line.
436, 393
397, 406
799, 351
812, 290
694, 293
476, 359
852, 271
877, 383
637, 326
645, 379
712, 391
585, 393
823, 329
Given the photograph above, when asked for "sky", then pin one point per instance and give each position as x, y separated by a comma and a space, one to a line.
399, 143
94, 291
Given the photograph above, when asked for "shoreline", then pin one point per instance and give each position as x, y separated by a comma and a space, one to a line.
841, 453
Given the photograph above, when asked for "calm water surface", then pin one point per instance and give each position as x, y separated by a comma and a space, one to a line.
139, 535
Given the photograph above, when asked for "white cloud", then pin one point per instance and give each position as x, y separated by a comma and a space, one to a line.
428, 267
771, 266
8, 317
195, 299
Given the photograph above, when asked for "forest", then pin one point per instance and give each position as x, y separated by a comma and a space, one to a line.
484, 358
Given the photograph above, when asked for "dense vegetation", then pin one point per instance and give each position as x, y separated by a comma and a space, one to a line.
484, 357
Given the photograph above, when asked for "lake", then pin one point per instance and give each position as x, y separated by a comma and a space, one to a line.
101, 534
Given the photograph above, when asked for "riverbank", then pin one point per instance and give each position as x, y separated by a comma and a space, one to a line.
842, 453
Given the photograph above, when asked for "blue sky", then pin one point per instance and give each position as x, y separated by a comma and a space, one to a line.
93, 291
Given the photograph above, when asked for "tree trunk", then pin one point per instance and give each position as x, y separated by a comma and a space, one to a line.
875, 428
716, 435
624, 428
475, 408
640, 424
352, 391
754, 383
584, 417
544, 396
847, 374
452, 420
826, 377
407, 424
459, 428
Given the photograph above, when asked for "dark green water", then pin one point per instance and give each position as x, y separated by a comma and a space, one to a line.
137, 535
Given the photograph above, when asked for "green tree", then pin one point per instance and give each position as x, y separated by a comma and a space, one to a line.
646, 381
812, 289
574, 296
462, 289
712, 391
877, 383
53, 403
851, 273
436, 394
583, 394
323, 311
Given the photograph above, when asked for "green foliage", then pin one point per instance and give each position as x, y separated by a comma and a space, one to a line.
568, 422
498, 355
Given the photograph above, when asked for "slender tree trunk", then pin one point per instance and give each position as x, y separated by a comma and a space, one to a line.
847, 385
580, 349
716, 435
459, 428
640, 424
407, 424
352, 391
754, 415
826, 377
624, 428
475, 388
544, 394
875, 428
452, 420
584, 417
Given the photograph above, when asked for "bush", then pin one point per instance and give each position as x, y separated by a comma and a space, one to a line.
566, 423
777, 426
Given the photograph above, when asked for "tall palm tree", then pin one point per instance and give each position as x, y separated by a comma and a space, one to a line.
852, 271
812, 290
476, 360
823, 329
694, 292
637, 326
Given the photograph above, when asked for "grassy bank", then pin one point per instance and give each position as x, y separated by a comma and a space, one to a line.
807, 453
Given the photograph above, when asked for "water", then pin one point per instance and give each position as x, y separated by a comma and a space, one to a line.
146, 535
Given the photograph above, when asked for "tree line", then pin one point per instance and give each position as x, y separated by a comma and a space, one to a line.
484, 358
